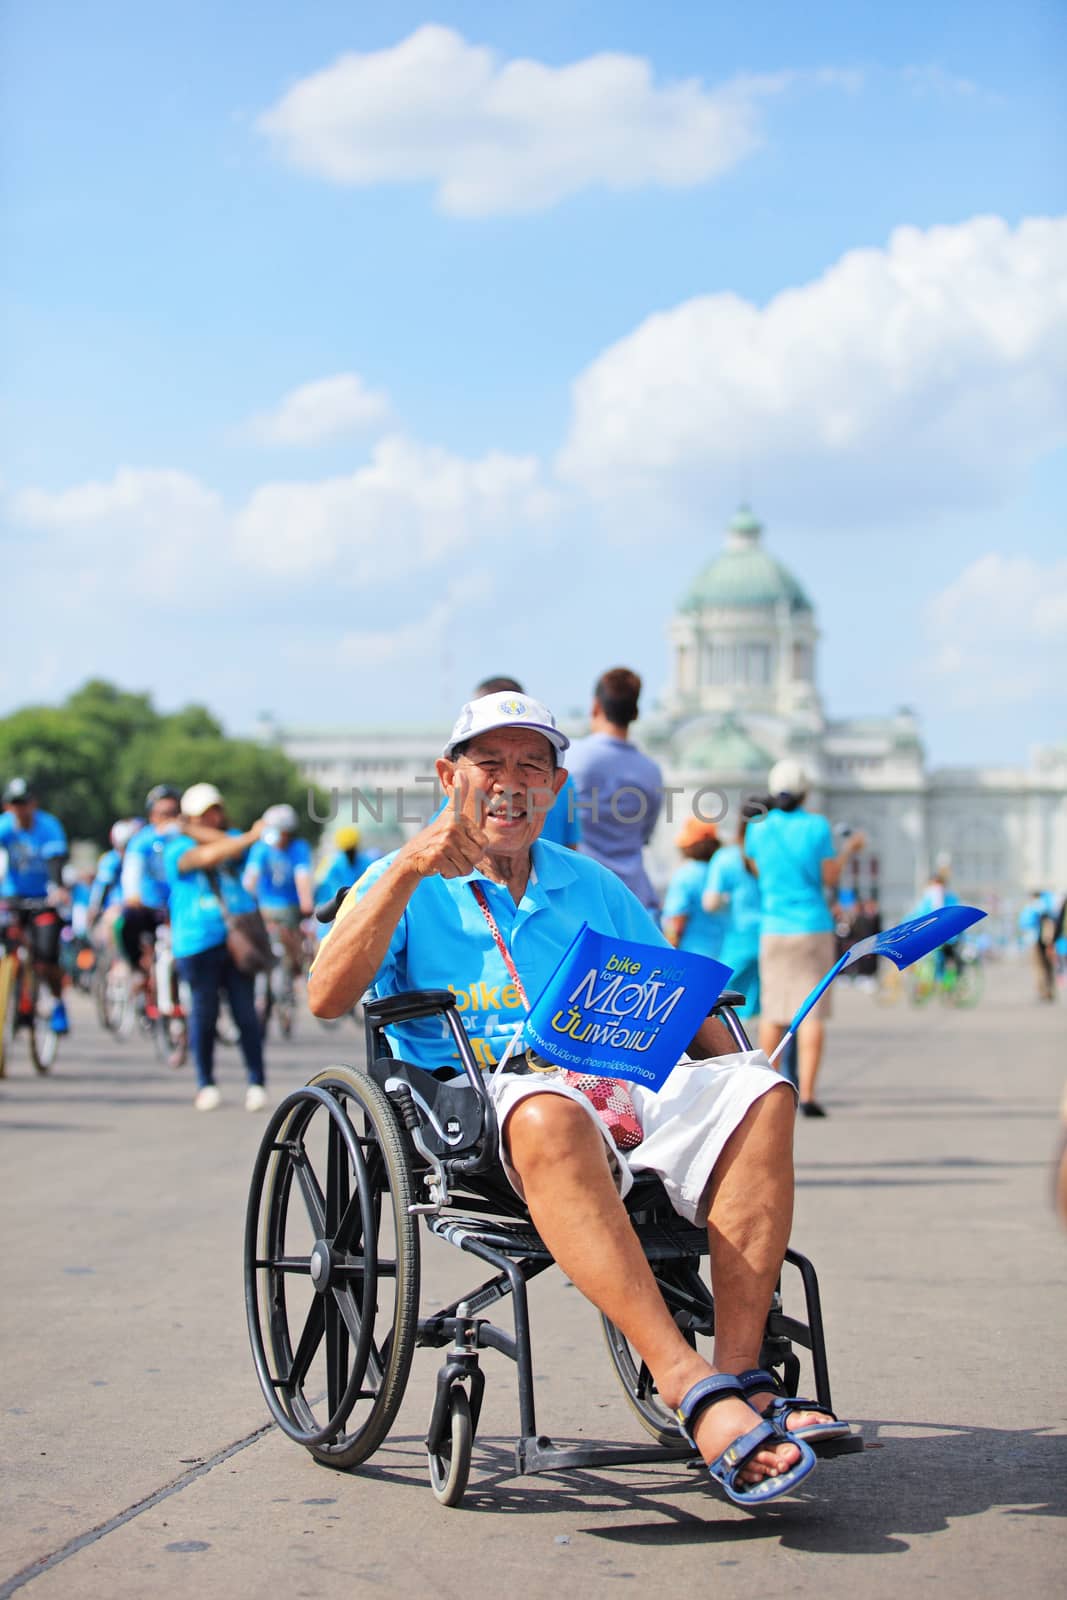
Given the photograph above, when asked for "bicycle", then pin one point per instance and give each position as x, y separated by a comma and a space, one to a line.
25, 1000
275, 991
954, 975
165, 1012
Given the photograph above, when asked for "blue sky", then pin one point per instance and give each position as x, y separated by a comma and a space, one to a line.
353, 352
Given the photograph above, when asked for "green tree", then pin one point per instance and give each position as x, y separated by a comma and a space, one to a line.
95, 758
61, 756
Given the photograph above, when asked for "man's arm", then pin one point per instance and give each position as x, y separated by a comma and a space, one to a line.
224, 847
349, 959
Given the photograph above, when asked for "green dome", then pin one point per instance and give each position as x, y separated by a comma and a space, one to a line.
727, 748
744, 575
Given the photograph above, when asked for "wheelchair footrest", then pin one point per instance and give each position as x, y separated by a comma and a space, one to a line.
852, 1446
541, 1455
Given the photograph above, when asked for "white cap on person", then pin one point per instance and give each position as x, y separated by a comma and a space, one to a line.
787, 777
200, 798
506, 710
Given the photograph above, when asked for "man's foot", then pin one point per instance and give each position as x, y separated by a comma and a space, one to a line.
793, 1418
60, 1023
255, 1097
811, 1108
207, 1098
718, 1426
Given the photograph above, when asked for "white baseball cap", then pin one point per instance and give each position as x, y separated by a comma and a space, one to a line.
506, 710
787, 777
200, 798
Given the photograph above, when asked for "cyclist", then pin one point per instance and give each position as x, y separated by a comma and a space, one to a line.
105, 898
278, 874
35, 846
937, 894
345, 868
144, 888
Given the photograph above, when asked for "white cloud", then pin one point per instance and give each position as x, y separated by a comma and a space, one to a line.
997, 635
416, 640
149, 532
930, 80
412, 504
924, 375
321, 411
514, 136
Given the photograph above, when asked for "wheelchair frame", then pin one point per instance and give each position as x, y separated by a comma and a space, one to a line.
386, 1126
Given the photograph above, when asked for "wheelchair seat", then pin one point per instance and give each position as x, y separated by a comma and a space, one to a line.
347, 1166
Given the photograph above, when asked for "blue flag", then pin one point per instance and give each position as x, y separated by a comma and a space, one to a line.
904, 944
618, 1009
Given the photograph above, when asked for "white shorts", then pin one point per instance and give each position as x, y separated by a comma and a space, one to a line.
686, 1123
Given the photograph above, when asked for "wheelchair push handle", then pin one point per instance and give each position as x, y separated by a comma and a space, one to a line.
327, 911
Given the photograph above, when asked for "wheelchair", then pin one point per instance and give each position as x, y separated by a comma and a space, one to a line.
347, 1166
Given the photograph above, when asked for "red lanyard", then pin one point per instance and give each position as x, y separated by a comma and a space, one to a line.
498, 939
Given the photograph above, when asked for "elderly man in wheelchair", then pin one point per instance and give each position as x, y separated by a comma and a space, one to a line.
477, 903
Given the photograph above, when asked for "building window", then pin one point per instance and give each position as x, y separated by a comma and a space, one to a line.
802, 662
757, 664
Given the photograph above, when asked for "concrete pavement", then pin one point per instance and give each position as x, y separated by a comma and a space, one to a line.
136, 1457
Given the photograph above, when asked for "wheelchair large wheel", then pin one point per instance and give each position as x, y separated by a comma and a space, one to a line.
332, 1266
690, 1303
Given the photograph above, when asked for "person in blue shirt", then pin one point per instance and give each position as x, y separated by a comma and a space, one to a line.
204, 877
144, 888
685, 921
1037, 921
937, 894
792, 853
279, 876
33, 848
620, 789
344, 868
476, 884
732, 891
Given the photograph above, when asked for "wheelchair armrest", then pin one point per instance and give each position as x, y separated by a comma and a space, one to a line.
729, 997
412, 1003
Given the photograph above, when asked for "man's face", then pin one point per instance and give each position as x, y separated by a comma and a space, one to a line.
213, 817
24, 812
512, 773
164, 813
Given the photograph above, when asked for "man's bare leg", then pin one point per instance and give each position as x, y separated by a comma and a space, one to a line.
750, 1214
810, 1038
561, 1160
771, 1035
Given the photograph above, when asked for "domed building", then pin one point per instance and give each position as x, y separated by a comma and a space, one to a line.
743, 692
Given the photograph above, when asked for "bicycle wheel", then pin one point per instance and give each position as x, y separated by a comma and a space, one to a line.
8, 975
969, 985
332, 1266
44, 1041
263, 1000
923, 982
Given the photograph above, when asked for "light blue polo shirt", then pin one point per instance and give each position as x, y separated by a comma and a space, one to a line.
704, 931
788, 849
29, 850
443, 942
727, 874
196, 918
276, 867
144, 874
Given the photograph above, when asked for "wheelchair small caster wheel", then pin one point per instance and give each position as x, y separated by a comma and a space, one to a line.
450, 1468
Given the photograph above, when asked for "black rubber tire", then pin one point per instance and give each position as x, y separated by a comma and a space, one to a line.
44, 1042
356, 1339
450, 1470
641, 1395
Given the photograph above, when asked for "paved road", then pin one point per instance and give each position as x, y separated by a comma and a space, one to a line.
136, 1460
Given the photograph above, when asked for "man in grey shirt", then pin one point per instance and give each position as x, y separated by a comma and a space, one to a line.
620, 789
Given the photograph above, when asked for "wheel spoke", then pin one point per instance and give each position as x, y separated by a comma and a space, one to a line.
336, 1351
309, 1188
309, 1342
338, 1188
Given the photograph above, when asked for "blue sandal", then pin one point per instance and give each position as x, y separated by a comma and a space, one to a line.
758, 1379
725, 1468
